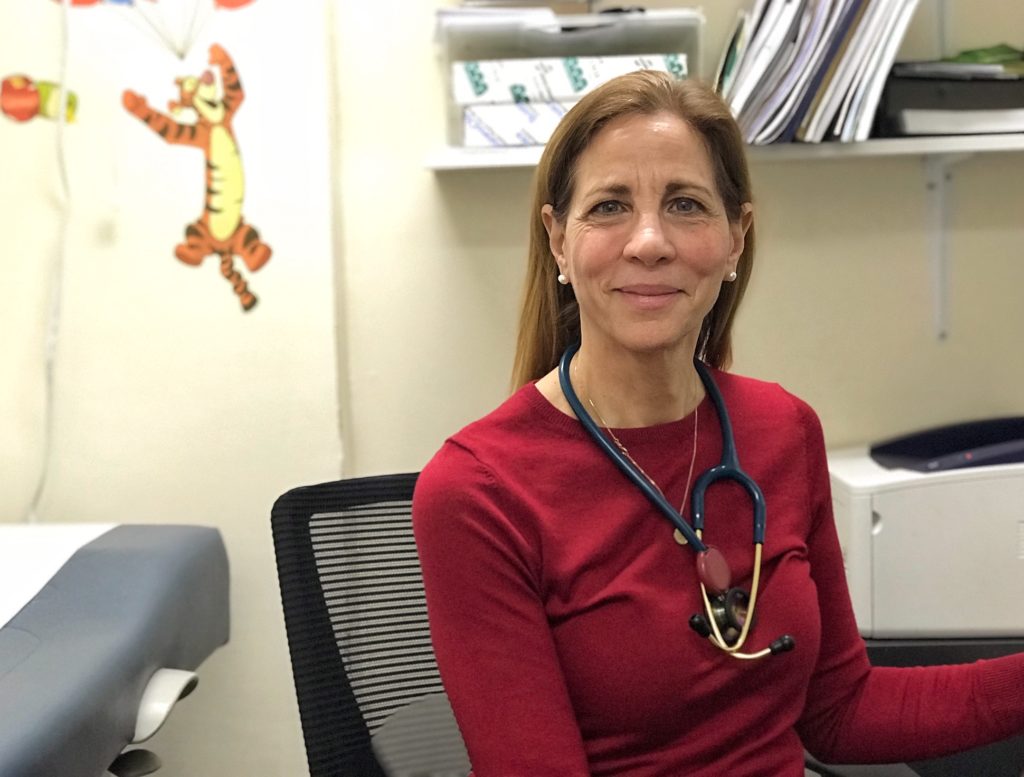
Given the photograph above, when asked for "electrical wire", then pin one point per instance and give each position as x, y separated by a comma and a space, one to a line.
57, 279
158, 28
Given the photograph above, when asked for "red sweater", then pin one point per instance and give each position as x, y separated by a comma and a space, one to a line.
559, 602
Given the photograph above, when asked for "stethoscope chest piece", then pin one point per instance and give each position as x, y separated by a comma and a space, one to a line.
730, 610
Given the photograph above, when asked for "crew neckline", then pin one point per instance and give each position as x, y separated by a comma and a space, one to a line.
555, 418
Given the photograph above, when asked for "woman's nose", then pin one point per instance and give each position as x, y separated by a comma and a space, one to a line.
648, 242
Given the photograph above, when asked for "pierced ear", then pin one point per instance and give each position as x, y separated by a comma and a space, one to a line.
556, 233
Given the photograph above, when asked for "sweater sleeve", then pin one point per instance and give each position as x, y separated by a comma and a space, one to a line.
490, 632
856, 713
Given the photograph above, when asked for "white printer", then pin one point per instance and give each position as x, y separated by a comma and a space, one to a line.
937, 550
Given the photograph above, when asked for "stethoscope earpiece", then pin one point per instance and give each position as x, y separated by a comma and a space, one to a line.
700, 624
783, 644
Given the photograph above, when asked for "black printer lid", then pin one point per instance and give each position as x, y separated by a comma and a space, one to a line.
971, 444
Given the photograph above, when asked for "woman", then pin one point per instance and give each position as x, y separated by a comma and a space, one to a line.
560, 599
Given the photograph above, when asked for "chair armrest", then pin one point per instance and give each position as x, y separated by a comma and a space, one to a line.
857, 770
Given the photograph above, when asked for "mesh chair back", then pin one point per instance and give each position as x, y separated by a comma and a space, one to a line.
370, 697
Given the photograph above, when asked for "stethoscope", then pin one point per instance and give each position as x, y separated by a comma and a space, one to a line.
728, 610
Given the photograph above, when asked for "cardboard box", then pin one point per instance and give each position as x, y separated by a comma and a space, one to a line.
547, 79
536, 33
511, 124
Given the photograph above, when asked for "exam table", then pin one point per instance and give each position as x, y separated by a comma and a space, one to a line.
105, 641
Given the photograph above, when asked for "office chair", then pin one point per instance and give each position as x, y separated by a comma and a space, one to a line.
370, 697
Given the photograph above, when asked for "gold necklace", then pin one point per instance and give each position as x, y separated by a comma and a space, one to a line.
678, 535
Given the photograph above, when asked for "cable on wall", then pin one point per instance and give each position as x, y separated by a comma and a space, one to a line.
57, 282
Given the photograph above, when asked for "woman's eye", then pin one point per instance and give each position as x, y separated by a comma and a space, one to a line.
607, 208
685, 205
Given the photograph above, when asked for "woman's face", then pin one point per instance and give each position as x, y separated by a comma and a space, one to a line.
646, 242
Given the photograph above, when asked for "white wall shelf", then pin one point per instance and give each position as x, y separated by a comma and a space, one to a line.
939, 155
456, 158
957, 145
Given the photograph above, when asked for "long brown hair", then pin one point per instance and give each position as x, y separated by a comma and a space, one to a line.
549, 318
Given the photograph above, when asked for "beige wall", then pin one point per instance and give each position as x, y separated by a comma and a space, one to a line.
169, 403
428, 268
429, 265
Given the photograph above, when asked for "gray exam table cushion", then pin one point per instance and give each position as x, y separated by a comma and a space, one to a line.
75, 660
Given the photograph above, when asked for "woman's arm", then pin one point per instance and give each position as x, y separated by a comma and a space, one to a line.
856, 713
494, 646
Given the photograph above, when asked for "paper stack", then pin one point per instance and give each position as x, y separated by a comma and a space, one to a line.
811, 70
519, 102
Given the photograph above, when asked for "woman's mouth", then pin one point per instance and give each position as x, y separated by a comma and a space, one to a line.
649, 296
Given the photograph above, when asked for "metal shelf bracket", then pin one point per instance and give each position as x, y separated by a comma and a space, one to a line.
938, 170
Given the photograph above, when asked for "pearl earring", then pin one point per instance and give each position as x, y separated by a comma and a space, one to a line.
562, 279
731, 276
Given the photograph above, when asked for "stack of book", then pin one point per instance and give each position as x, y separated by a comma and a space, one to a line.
519, 102
811, 70
978, 91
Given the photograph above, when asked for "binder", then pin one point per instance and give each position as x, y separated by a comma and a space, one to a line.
922, 105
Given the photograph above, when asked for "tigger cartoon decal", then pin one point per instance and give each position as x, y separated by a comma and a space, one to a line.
221, 229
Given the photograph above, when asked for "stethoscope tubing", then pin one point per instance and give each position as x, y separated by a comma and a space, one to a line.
627, 468
727, 469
